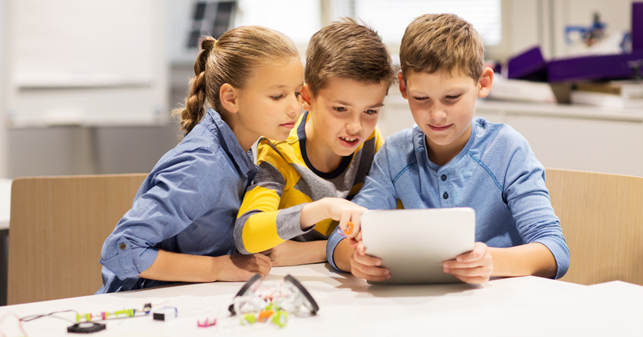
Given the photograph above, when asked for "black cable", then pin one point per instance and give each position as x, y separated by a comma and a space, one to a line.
35, 317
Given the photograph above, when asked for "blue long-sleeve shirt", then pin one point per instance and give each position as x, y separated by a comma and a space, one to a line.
496, 174
188, 204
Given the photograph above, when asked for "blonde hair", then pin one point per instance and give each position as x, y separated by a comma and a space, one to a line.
231, 59
445, 42
347, 49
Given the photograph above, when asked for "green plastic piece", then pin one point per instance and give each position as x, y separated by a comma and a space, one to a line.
272, 306
280, 318
250, 318
126, 312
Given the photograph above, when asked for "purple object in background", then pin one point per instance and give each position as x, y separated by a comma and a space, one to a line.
529, 63
598, 67
637, 26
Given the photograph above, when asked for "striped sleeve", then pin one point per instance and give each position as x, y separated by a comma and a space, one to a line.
260, 224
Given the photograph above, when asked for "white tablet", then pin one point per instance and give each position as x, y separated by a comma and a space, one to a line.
413, 243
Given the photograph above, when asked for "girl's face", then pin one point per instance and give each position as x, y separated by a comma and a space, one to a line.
270, 103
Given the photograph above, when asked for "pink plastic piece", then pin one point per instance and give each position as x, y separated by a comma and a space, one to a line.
206, 323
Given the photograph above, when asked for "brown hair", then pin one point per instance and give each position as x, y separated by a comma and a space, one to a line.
231, 59
347, 49
445, 42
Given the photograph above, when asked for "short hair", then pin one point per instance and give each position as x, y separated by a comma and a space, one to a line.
350, 50
443, 42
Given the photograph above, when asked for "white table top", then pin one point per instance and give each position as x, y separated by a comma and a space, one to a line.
525, 306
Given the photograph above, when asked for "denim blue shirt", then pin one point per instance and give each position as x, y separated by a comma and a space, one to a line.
496, 174
188, 204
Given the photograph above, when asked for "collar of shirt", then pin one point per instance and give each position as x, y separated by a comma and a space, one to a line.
244, 160
423, 154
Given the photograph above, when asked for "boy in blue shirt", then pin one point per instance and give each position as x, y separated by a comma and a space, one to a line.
453, 159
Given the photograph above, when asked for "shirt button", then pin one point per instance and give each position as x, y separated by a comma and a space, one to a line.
444, 177
122, 246
445, 195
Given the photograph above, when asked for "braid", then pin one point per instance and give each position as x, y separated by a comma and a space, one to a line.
194, 109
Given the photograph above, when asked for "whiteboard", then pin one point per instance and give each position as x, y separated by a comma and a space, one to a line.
86, 62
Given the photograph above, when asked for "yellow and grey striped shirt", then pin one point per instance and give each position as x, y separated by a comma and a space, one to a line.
269, 214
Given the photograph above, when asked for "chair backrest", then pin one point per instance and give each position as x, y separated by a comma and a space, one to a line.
602, 220
57, 229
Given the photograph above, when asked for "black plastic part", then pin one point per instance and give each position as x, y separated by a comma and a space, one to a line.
86, 327
244, 289
313, 304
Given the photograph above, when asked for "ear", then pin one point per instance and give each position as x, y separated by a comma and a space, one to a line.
402, 84
306, 97
485, 82
229, 97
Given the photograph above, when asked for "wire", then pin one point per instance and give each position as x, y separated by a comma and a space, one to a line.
35, 317
22, 329
182, 311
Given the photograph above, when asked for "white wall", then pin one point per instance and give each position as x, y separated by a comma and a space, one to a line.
75, 150
3, 130
70, 150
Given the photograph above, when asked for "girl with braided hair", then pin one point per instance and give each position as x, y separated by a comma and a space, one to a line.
180, 228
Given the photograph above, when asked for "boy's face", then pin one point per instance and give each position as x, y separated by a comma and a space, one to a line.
344, 113
443, 105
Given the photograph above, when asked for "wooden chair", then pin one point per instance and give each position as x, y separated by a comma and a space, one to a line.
602, 220
57, 229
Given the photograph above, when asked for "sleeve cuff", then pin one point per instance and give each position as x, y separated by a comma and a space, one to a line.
129, 262
288, 222
561, 255
333, 241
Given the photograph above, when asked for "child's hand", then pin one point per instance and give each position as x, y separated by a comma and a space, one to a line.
292, 253
366, 266
347, 213
239, 267
356, 240
474, 267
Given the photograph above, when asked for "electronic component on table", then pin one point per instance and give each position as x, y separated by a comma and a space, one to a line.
272, 304
86, 327
104, 315
165, 314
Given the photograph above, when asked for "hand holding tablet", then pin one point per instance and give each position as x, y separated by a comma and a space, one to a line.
473, 267
414, 244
